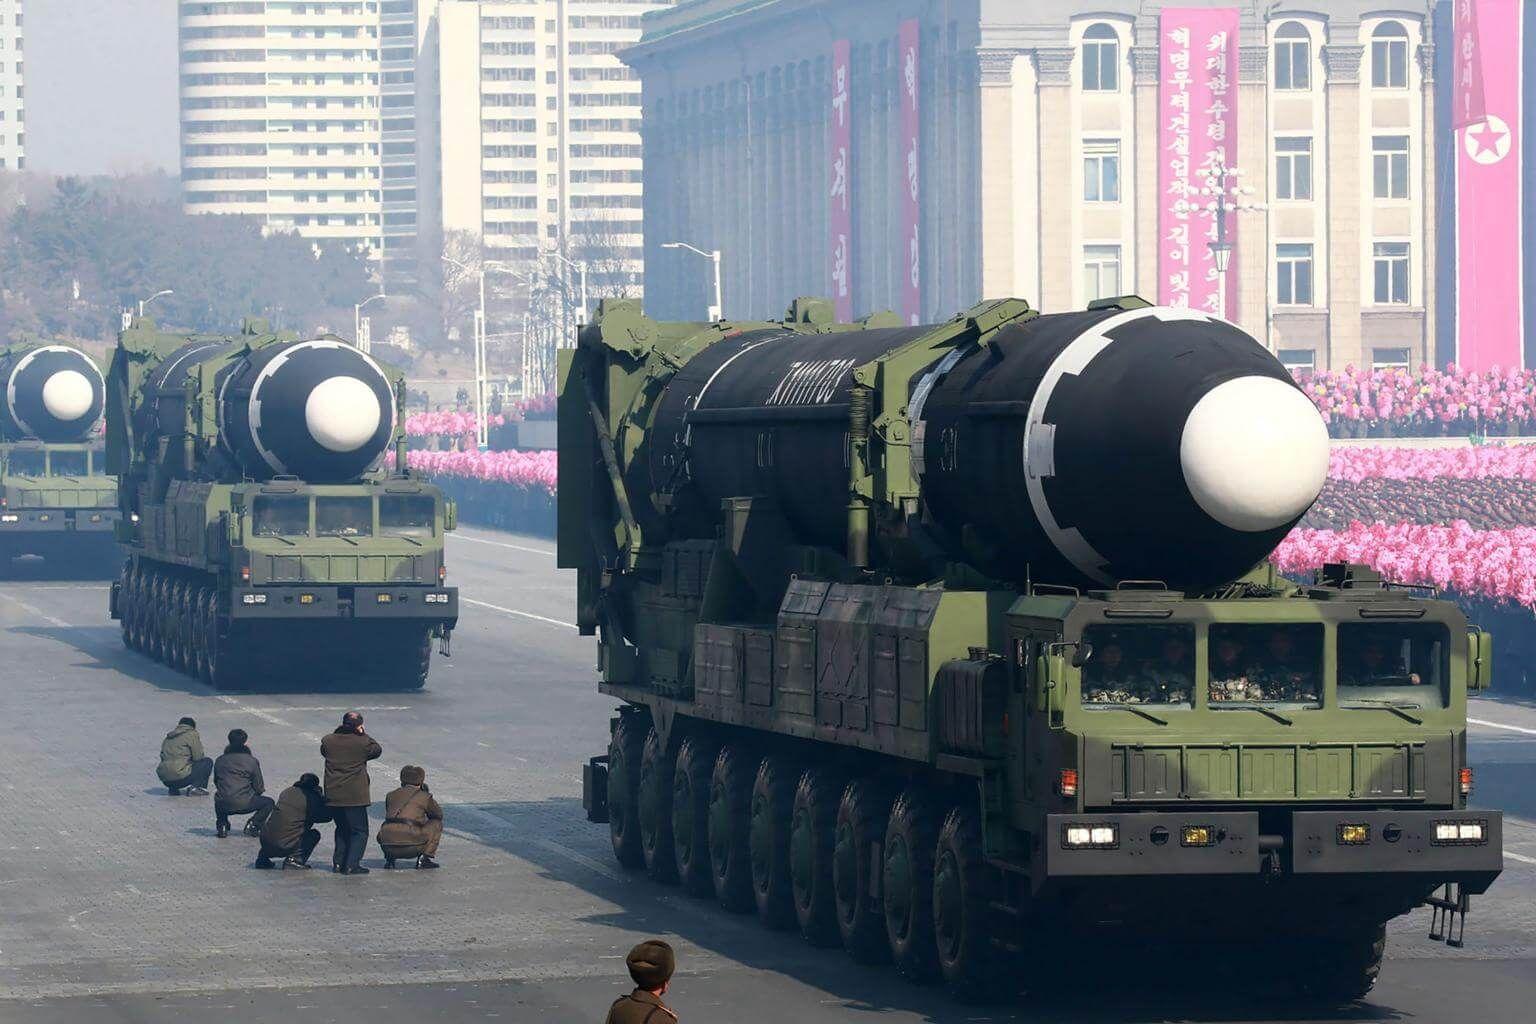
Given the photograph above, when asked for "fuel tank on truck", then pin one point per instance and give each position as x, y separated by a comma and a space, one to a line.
1089, 448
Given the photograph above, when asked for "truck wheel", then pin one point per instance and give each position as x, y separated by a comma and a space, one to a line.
656, 810
623, 790
224, 652
812, 829
911, 838
197, 607
690, 814
1343, 970
177, 653
125, 603
730, 813
156, 615
963, 920
415, 661
773, 797
861, 820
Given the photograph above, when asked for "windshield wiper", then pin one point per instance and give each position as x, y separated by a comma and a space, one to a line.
1266, 712
1400, 710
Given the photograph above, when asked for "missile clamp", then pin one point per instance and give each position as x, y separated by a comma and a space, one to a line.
271, 531
55, 497
935, 641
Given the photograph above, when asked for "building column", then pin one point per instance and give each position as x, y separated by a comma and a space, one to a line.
1053, 73
1429, 245
1345, 269
1145, 70
1253, 258
996, 168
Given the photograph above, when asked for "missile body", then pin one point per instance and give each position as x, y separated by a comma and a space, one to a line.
53, 393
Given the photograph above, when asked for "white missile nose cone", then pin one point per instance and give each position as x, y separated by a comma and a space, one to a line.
342, 414
1255, 453
67, 395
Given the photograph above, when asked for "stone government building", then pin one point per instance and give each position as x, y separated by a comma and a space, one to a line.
1038, 143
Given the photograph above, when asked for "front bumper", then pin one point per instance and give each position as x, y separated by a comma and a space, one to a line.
1396, 843
57, 520
372, 603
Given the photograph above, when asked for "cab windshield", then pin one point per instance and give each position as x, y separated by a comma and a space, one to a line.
1401, 663
28, 463
343, 517
1268, 664
407, 515
1139, 665
69, 463
280, 517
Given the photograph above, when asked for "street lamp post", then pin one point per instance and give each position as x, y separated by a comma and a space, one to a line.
1226, 196
143, 303
482, 368
357, 324
581, 272
713, 255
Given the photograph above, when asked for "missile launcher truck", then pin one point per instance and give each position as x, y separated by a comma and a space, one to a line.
944, 642
56, 500
267, 538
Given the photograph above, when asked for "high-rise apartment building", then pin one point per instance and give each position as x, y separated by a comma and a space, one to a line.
302, 113
538, 127
13, 127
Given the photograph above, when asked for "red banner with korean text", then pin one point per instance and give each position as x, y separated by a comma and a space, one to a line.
1197, 136
839, 171
1489, 256
911, 206
1469, 106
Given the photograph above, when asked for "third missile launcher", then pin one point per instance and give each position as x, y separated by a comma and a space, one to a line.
55, 497
945, 641
268, 536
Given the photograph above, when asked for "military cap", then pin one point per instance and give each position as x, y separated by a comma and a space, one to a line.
412, 775
651, 964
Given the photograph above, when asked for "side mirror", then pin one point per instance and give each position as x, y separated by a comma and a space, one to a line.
1081, 654
1479, 659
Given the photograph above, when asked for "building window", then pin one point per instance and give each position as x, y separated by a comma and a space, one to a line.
1389, 359
1101, 170
1389, 165
1391, 260
1101, 271
1389, 56
1293, 168
1101, 59
1293, 280
1293, 57
1298, 360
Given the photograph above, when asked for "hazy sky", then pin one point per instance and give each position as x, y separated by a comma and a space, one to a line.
101, 85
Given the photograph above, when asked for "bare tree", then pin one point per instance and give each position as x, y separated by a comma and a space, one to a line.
613, 264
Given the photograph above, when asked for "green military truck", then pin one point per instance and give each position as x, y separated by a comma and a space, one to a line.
955, 644
56, 501
269, 539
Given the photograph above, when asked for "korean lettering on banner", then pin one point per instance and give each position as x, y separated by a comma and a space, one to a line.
1489, 253
911, 205
839, 210
1197, 136
1470, 106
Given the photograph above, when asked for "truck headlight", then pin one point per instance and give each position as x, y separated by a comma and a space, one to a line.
1354, 835
253, 598
1197, 835
436, 598
306, 599
384, 598
10, 517
1090, 837
1460, 833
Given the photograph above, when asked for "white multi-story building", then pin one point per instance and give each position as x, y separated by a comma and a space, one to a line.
302, 113
13, 127
538, 127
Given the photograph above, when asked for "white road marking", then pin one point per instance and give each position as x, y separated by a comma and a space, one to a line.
503, 544
514, 611
1501, 725
1522, 858
19, 603
64, 586
339, 708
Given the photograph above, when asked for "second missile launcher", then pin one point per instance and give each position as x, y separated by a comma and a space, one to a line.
269, 536
56, 500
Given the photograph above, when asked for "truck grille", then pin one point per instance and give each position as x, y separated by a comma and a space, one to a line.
347, 568
1384, 771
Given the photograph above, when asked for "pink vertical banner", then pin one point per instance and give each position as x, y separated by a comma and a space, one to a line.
839, 160
1469, 105
1197, 138
1489, 276
911, 203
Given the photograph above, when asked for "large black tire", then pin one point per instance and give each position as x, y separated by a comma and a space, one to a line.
911, 837
124, 603
181, 629
690, 814
410, 660
812, 830
965, 924
861, 819
226, 652
624, 750
198, 650
1341, 969
656, 846
730, 810
154, 618
773, 798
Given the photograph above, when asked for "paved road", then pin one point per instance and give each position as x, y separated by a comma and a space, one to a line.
118, 904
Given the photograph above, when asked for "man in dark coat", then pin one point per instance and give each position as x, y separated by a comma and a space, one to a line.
290, 831
238, 787
650, 965
413, 821
183, 765
347, 752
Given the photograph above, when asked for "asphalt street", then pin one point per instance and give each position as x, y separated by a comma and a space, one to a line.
118, 904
